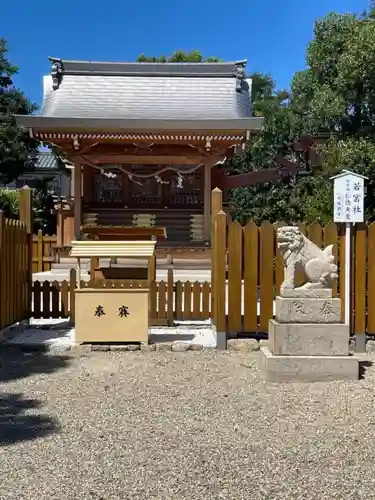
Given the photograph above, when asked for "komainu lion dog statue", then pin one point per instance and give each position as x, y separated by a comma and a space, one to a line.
301, 254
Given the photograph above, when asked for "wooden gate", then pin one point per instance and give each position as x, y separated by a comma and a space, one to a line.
16, 264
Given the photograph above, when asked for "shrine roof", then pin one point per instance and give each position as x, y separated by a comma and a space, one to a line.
138, 92
46, 160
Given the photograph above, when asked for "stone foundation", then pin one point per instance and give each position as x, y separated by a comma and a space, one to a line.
278, 368
307, 342
306, 339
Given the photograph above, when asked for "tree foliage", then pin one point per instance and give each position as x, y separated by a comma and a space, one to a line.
179, 56
10, 202
341, 80
16, 147
334, 96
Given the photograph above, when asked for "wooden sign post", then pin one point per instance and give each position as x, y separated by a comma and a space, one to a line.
348, 208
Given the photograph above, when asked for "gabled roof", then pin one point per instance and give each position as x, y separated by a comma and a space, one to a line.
138, 97
45, 160
344, 173
184, 91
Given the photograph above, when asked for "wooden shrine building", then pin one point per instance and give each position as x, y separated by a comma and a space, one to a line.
148, 141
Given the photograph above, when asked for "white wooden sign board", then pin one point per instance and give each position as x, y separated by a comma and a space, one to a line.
348, 192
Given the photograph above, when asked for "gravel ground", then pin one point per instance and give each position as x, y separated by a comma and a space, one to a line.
196, 425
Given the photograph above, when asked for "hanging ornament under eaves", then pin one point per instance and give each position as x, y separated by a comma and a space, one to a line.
160, 180
180, 181
110, 175
130, 177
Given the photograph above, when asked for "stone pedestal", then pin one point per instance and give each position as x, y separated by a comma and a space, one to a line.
308, 310
307, 342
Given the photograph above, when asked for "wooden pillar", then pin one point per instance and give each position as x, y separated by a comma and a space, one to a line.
77, 201
125, 188
166, 188
3, 275
26, 216
94, 266
71, 191
26, 208
60, 224
88, 186
207, 202
219, 281
216, 207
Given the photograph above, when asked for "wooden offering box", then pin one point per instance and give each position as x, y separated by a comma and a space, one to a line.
111, 315
115, 310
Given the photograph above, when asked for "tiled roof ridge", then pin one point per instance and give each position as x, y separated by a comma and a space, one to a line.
61, 67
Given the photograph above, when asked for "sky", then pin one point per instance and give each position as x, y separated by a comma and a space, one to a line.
272, 35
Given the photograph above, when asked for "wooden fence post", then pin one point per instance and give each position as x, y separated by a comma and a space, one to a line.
40, 251
216, 207
2, 274
72, 291
26, 216
26, 208
359, 290
219, 281
152, 267
251, 276
235, 259
1, 228
266, 277
371, 279
170, 302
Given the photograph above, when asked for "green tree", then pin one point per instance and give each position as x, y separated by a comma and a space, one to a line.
179, 56
336, 95
333, 96
274, 200
16, 147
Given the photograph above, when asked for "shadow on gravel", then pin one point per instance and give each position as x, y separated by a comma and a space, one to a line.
16, 422
363, 367
16, 364
17, 426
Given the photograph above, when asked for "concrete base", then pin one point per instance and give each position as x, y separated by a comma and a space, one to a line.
221, 340
306, 339
307, 368
57, 334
